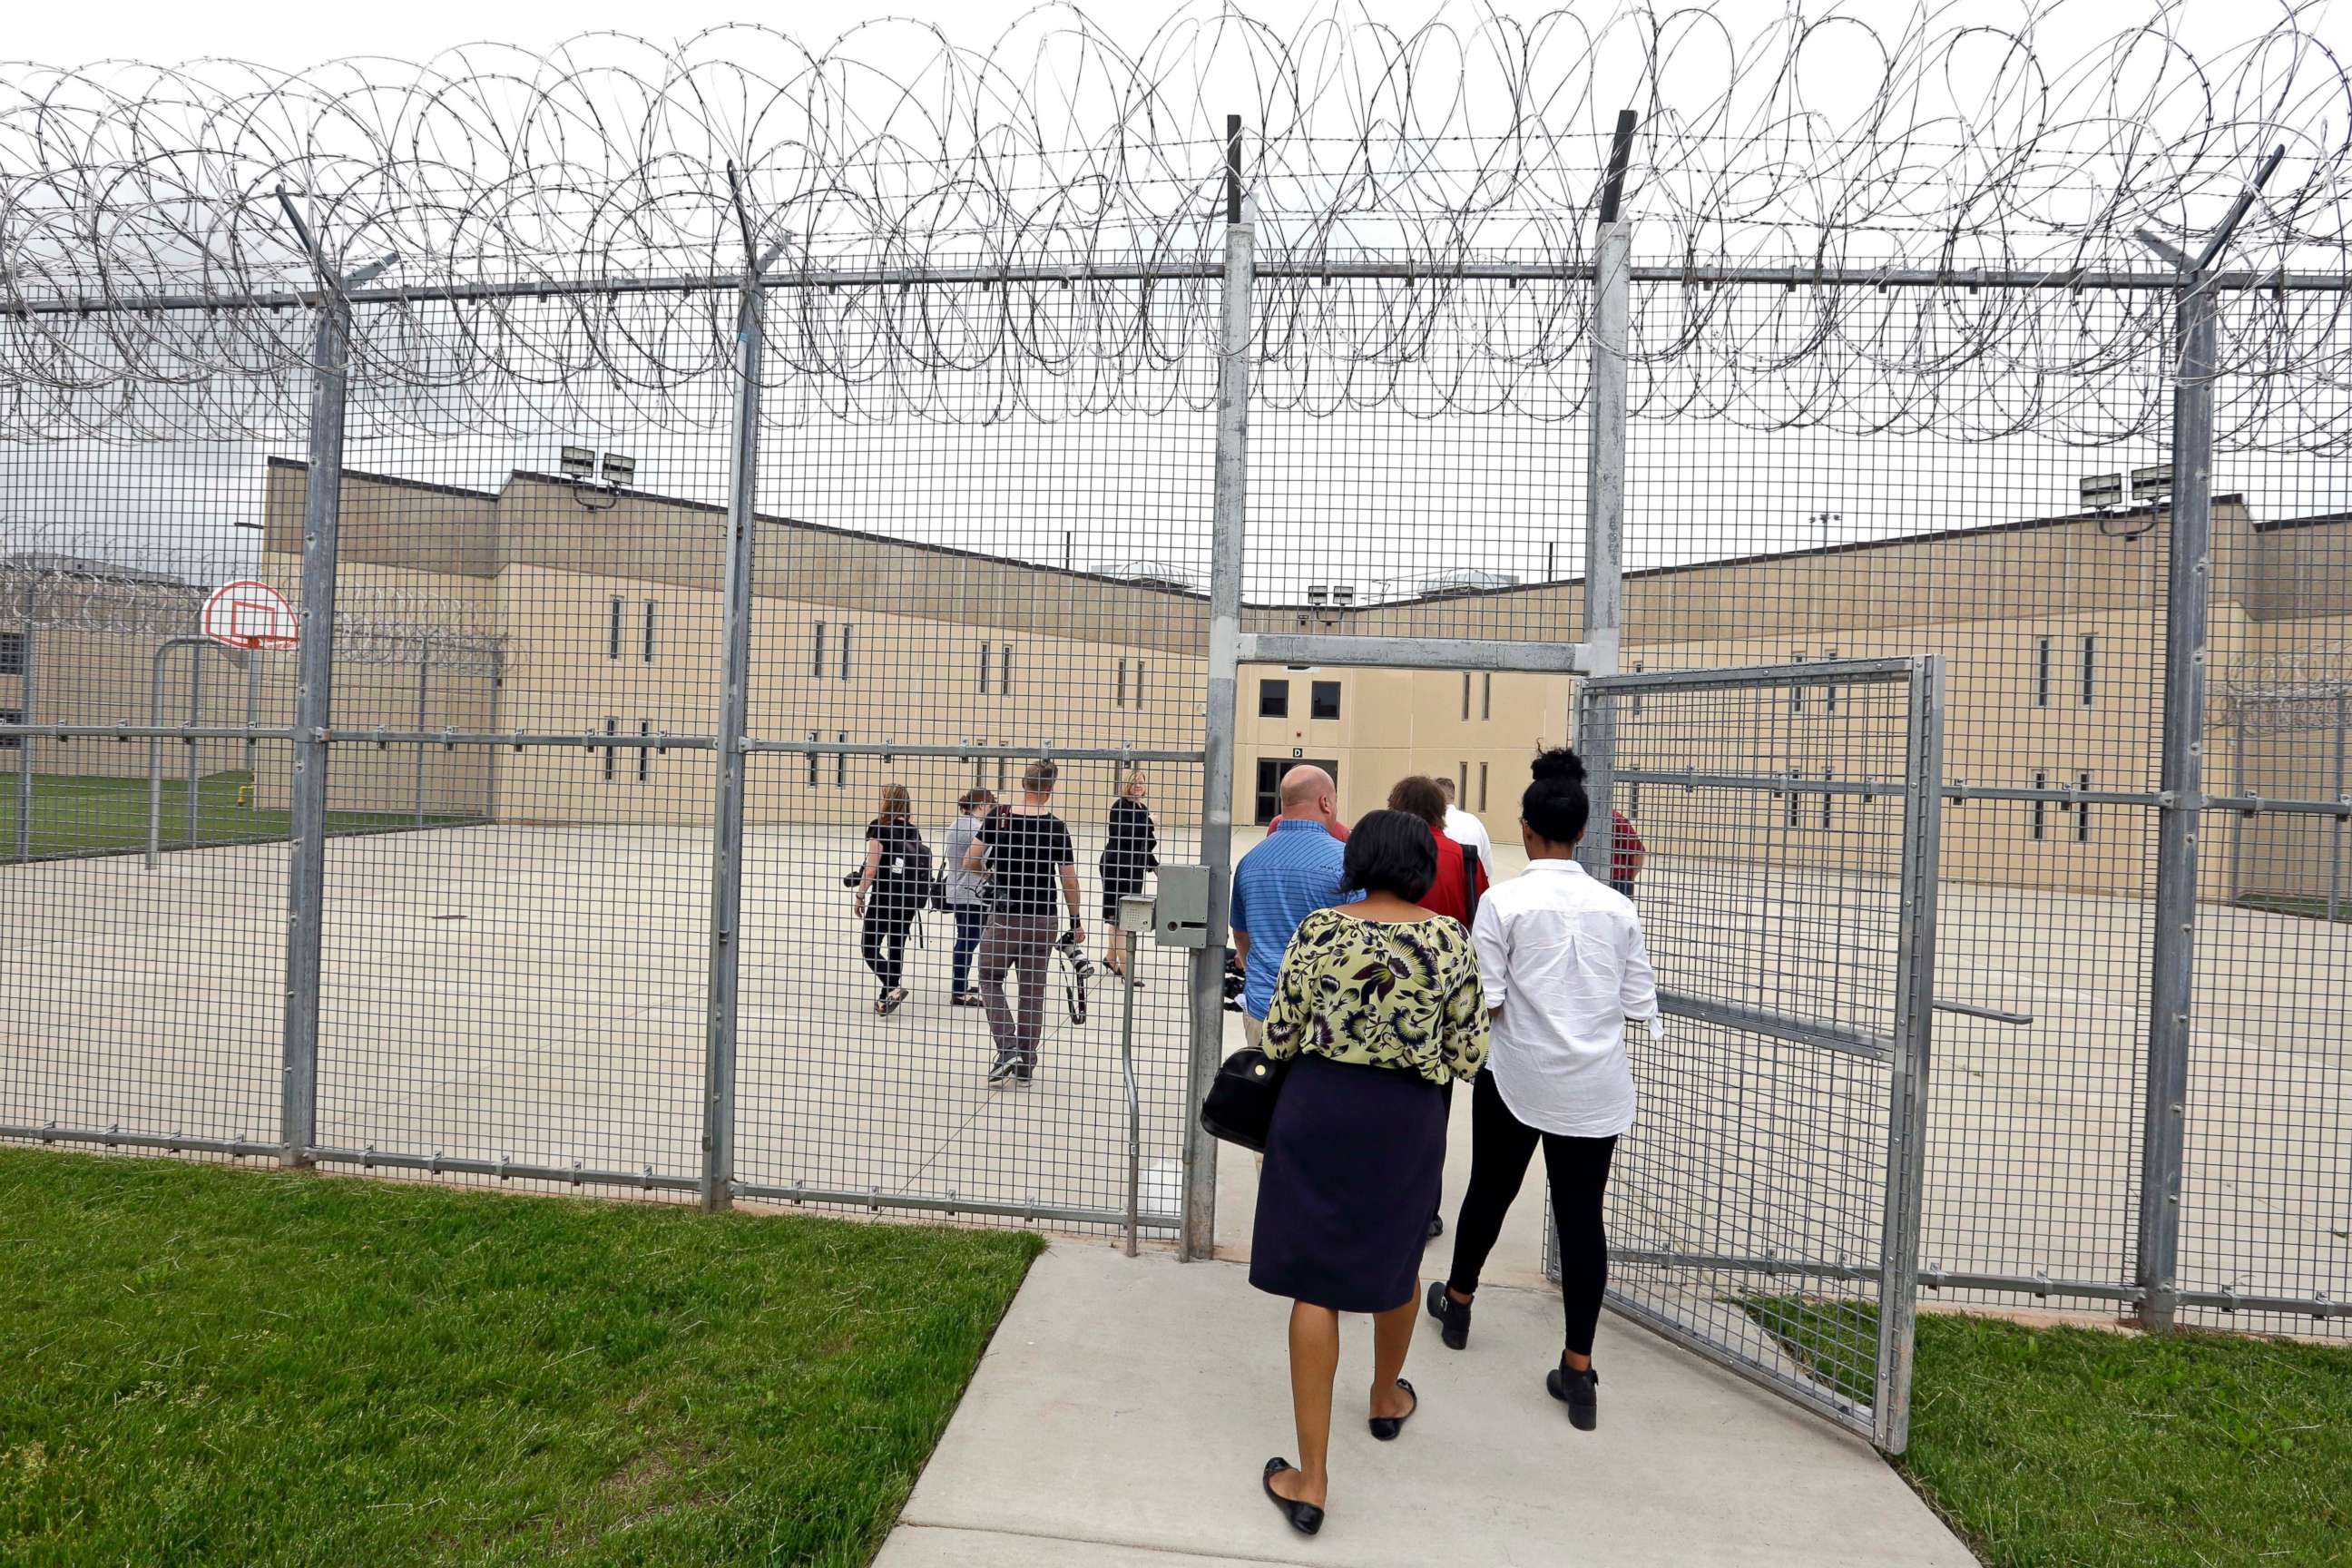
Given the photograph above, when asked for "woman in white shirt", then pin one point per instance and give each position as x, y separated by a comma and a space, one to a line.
1564, 969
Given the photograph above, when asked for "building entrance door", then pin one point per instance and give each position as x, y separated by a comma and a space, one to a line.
1271, 771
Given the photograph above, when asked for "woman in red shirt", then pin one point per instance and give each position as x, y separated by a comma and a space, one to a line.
1461, 878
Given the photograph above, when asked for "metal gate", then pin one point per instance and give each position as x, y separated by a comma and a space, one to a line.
1764, 1210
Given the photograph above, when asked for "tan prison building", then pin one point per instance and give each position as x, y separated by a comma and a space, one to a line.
606, 606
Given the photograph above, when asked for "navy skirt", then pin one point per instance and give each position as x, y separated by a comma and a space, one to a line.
1354, 1161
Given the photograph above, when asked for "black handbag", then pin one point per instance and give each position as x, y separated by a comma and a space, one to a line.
1240, 1104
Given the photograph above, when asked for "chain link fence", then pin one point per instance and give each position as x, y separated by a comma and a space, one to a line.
653, 520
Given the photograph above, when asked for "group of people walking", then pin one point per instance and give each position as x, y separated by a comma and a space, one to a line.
1010, 868
1382, 969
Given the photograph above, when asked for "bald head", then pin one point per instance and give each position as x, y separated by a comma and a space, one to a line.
1309, 794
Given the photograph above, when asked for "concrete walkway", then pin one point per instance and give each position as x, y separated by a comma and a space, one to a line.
1122, 1415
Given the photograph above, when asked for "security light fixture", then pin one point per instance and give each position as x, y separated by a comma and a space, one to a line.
619, 469
579, 463
2149, 483
2100, 491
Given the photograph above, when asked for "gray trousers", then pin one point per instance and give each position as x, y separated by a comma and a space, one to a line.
1021, 943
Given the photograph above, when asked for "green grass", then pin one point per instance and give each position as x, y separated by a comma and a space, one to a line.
2309, 909
200, 1364
2063, 1448
91, 814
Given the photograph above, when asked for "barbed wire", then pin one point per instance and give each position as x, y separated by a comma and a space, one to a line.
1042, 215
94, 582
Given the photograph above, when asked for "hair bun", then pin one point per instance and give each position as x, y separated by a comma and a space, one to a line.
1558, 766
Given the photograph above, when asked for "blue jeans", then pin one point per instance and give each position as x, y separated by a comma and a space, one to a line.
971, 921
1623, 884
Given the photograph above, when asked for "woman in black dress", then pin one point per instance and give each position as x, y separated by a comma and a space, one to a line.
1130, 848
892, 887
1377, 1006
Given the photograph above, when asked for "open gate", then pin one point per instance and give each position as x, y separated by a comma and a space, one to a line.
1764, 1210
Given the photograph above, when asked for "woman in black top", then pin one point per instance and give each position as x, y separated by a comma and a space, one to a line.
1025, 850
1130, 849
892, 888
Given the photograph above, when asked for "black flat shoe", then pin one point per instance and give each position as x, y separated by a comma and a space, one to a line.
1304, 1516
1580, 1391
1386, 1427
1452, 1316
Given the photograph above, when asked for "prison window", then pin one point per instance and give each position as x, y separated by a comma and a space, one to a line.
812, 761
1139, 686
645, 753
841, 761
1465, 697
613, 633
12, 653
1119, 700
1634, 804
845, 630
611, 727
817, 654
1830, 694
2041, 807
1004, 670
11, 716
1461, 781
1323, 699
1482, 786
1790, 820
1274, 699
982, 687
1000, 777
1487, 709
2083, 810
1797, 693
2090, 668
649, 631
1829, 798
2042, 673
1637, 696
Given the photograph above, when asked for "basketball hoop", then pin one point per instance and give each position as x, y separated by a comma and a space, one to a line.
250, 614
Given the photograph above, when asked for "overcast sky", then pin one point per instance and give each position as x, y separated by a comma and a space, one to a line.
1502, 486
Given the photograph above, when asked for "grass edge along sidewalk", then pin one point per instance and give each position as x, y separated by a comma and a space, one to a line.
206, 1365
2088, 1448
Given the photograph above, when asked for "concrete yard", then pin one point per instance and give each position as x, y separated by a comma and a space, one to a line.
537, 993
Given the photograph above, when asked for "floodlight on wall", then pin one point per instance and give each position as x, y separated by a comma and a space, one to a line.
579, 463
2100, 491
619, 469
2149, 484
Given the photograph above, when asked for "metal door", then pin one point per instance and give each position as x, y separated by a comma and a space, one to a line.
1764, 1210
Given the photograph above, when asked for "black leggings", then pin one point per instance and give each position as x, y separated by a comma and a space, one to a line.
1500, 1147
883, 939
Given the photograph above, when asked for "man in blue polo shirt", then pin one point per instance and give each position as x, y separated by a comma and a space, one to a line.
1292, 874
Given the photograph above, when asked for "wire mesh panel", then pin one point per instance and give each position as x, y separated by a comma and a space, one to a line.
945, 605
142, 880
1765, 1207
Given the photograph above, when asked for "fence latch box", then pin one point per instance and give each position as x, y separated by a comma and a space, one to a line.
1179, 916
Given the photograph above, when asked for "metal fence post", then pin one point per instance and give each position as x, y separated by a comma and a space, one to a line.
2180, 807
195, 748
1604, 501
305, 885
424, 669
27, 696
1199, 1236
2336, 823
734, 695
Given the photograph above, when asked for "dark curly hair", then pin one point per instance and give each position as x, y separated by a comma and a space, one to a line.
1555, 805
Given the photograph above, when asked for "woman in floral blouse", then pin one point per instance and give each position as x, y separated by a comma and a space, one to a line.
1377, 1006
